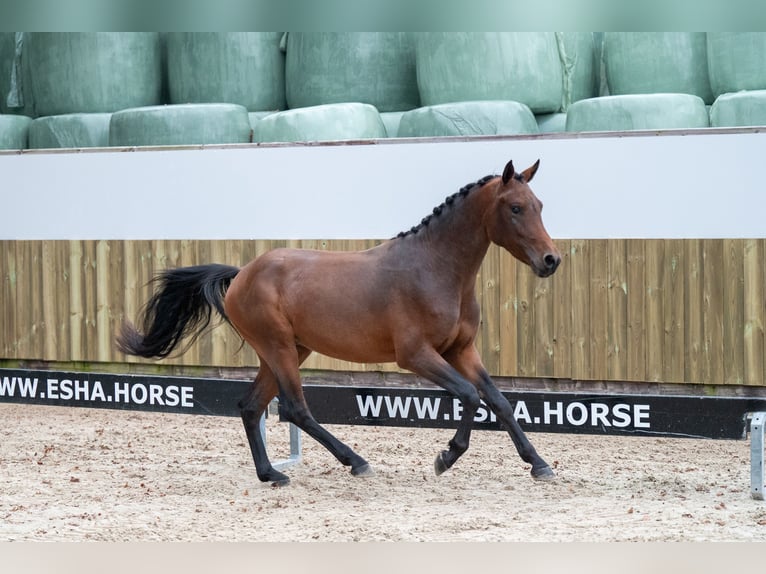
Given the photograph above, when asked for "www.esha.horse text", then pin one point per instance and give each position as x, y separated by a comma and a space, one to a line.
385, 408
116, 392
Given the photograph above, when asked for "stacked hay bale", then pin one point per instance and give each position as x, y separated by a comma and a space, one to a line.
469, 119
737, 65
13, 98
14, 124
466, 79
343, 85
14, 131
78, 79
180, 124
70, 131
206, 70
474, 83
656, 81
580, 76
214, 81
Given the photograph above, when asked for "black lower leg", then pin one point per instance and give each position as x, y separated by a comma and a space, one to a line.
504, 411
263, 468
459, 443
300, 416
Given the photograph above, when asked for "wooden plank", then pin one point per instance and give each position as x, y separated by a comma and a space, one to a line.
694, 312
580, 309
23, 301
8, 291
674, 311
8, 294
734, 316
654, 308
617, 296
51, 284
34, 342
104, 279
509, 303
562, 312
754, 296
599, 309
90, 307
76, 301
489, 281
526, 284
63, 298
713, 311
636, 310
544, 332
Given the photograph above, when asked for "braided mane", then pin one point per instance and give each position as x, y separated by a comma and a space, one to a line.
448, 202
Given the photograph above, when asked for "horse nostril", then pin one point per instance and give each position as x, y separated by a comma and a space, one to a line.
551, 261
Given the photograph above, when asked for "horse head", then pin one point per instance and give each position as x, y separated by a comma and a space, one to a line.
514, 222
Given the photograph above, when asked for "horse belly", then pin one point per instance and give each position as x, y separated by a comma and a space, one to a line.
346, 335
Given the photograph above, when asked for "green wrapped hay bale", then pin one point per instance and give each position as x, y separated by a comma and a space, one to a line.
14, 131
657, 62
468, 119
349, 121
391, 121
739, 109
70, 131
737, 61
256, 117
638, 112
579, 66
7, 57
471, 66
551, 123
93, 72
246, 68
376, 68
13, 99
186, 124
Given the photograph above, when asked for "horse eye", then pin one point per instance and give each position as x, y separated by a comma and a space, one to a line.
515, 209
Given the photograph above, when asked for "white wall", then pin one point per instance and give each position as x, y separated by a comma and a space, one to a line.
698, 185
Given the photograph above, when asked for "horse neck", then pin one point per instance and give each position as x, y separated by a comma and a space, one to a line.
456, 239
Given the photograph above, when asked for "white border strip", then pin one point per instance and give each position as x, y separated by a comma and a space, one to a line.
705, 184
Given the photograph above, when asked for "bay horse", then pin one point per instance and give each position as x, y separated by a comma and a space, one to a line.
410, 300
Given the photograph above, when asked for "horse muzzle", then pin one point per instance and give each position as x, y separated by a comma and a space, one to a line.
548, 265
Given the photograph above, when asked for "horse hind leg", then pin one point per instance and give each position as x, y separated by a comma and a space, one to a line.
293, 407
252, 407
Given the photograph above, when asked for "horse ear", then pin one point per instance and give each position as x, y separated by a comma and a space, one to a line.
530, 172
508, 172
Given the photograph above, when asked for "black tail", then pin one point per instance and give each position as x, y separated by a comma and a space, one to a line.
181, 307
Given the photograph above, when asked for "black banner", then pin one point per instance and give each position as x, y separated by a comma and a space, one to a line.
124, 392
646, 415
637, 414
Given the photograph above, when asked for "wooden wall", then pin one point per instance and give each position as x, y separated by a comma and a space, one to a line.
671, 311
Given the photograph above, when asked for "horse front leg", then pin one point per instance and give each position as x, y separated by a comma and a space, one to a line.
429, 364
497, 402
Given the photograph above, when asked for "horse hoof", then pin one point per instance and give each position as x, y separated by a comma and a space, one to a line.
280, 482
364, 470
439, 465
543, 474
